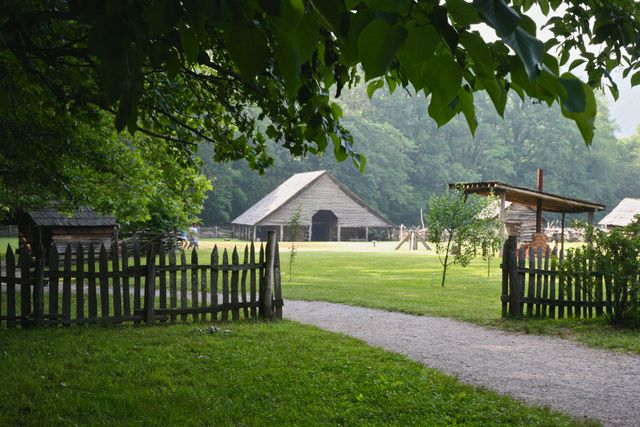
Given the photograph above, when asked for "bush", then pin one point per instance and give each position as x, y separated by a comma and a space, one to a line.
616, 256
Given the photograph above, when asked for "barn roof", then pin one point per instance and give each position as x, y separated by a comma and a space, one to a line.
287, 191
525, 196
623, 214
83, 217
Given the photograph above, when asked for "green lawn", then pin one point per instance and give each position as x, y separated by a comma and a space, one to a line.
410, 282
247, 373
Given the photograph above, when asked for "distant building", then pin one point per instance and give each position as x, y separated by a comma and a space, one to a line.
517, 214
621, 215
50, 227
329, 211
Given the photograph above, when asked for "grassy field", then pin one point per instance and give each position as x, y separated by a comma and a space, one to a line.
410, 282
245, 374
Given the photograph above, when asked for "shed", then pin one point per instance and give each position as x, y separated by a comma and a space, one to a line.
51, 227
329, 211
623, 214
517, 213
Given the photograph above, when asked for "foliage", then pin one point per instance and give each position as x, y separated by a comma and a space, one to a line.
294, 224
237, 74
616, 256
454, 217
410, 159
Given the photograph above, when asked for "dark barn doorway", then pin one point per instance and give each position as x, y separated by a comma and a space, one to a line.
324, 225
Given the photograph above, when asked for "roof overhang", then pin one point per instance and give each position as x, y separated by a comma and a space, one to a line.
525, 196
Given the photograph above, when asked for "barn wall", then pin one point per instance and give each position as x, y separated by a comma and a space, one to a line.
97, 236
324, 193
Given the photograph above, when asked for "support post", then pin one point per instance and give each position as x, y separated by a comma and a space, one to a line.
270, 257
509, 255
562, 235
255, 229
38, 288
150, 286
503, 233
366, 234
310, 229
339, 232
282, 233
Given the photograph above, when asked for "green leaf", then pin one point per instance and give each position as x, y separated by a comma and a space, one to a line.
498, 15
463, 13
248, 49
497, 92
468, 109
585, 119
377, 46
635, 79
419, 46
529, 49
575, 100
189, 43
373, 86
329, 13
173, 63
357, 22
391, 6
288, 66
444, 77
479, 53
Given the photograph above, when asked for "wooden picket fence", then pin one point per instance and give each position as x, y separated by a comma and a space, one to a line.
532, 286
94, 286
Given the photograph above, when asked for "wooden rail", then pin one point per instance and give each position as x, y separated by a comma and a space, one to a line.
92, 286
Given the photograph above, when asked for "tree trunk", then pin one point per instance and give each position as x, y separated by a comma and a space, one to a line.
446, 258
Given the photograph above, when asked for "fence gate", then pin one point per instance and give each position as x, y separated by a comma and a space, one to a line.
91, 285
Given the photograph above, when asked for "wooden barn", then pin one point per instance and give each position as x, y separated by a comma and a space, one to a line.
50, 227
329, 211
623, 214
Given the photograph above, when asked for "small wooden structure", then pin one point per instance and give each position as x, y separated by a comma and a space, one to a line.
541, 201
515, 213
48, 227
623, 214
329, 211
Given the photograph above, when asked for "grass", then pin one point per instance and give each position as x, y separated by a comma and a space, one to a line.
253, 374
410, 283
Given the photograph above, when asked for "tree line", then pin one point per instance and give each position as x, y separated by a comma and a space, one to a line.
409, 158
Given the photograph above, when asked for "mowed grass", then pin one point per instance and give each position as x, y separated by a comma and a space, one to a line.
247, 373
410, 283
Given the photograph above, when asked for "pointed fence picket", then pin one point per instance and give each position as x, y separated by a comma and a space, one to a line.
550, 293
93, 285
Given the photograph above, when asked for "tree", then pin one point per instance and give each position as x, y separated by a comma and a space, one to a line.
294, 224
237, 74
454, 217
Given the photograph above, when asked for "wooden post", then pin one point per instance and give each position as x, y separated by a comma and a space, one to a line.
562, 235
150, 286
366, 234
310, 229
281, 233
339, 233
512, 267
503, 233
25, 286
38, 289
255, 229
266, 297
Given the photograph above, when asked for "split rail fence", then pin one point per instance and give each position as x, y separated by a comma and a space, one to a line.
90, 285
532, 285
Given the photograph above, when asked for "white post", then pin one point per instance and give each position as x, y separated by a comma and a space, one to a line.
366, 234
339, 230
255, 228
310, 228
282, 233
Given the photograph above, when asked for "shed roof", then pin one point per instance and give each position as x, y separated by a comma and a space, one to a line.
83, 217
287, 191
525, 196
623, 214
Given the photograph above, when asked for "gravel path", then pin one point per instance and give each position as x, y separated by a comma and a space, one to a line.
541, 370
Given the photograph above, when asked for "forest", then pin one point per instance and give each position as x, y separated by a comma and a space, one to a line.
408, 157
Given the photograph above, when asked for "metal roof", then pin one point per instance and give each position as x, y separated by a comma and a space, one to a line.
289, 190
623, 214
525, 196
84, 217
272, 201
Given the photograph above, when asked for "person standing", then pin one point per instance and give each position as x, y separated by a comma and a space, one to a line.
194, 242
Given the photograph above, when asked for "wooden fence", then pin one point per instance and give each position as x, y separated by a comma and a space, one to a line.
93, 286
532, 286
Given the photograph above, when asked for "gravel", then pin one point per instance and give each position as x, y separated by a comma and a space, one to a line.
539, 370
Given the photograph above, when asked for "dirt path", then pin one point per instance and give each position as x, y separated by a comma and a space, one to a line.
542, 370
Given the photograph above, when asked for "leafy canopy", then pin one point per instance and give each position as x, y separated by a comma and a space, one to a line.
239, 73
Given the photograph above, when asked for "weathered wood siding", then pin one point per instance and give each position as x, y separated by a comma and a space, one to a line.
96, 236
325, 194
524, 215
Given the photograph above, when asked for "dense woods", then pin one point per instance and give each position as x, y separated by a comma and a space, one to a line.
409, 157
